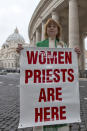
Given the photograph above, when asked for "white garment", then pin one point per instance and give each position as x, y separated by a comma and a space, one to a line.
51, 43
59, 46
38, 128
65, 128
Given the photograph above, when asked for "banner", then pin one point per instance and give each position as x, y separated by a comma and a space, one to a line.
49, 89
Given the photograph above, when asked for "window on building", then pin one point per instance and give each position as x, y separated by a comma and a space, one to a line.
12, 55
12, 65
5, 65
8, 64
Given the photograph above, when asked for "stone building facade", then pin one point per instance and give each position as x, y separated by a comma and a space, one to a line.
72, 17
9, 58
86, 60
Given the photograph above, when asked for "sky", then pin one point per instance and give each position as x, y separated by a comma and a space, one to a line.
86, 43
16, 13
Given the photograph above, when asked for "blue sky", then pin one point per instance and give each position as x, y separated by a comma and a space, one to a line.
16, 13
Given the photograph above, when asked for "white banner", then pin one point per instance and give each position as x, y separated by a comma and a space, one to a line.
49, 88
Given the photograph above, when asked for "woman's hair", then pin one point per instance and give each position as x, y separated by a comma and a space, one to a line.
50, 21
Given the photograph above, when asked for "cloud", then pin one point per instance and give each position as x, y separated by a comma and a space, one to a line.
86, 43
15, 13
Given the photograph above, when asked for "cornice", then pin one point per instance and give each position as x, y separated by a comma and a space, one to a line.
43, 9
37, 13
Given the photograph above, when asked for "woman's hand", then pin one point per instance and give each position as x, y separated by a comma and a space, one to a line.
77, 50
19, 48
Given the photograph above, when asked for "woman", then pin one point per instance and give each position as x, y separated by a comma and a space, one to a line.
52, 35
52, 40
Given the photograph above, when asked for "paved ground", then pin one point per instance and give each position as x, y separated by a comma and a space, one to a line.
9, 104
83, 106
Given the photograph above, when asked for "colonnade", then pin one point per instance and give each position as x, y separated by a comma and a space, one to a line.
73, 36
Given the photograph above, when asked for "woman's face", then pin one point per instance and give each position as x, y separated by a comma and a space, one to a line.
52, 30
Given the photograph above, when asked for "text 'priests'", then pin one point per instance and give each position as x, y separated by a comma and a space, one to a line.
49, 92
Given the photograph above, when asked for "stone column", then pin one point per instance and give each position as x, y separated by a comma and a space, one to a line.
34, 40
82, 57
64, 35
31, 41
55, 15
43, 30
73, 24
37, 35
